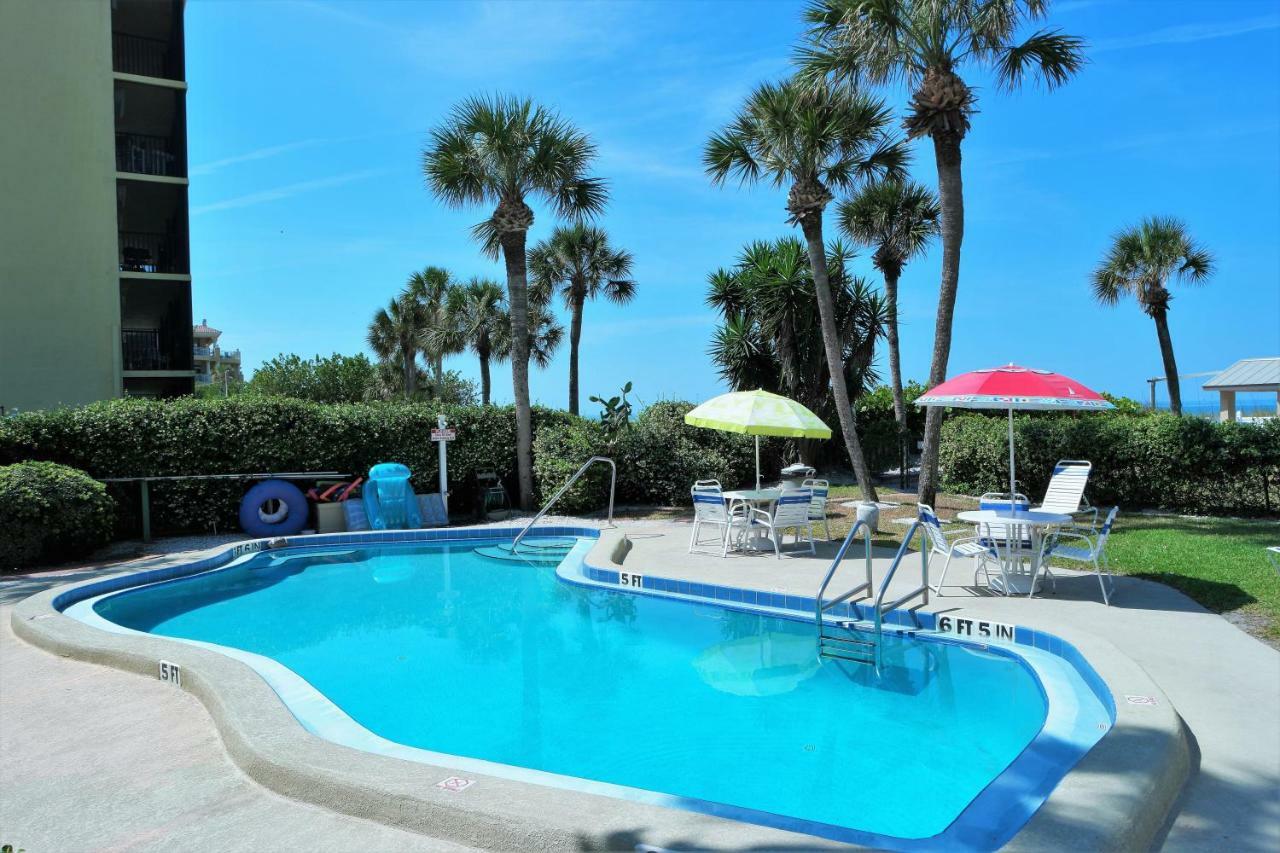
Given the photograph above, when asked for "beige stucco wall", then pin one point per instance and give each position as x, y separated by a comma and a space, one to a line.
59, 280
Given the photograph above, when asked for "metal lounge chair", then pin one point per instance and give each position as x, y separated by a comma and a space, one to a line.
949, 546
709, 510
1066, 490
1093, 551
818, 503
790, 512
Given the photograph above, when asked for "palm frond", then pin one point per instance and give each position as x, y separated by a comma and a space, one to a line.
1053, 57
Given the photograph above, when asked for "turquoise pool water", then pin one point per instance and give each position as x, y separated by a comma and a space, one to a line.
438, 647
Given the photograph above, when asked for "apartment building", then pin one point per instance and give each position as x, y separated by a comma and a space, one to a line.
95, 276
212, 362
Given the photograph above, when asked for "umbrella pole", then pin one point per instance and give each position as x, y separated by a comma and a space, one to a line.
1013, 477
757, 463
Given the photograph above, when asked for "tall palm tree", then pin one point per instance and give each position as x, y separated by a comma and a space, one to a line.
1140, 263
499, 151
431, 287
813, 138
924, 43
580, 262
473, 316
394, 334
898, 219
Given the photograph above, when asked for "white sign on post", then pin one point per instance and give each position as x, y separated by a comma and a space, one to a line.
442, 435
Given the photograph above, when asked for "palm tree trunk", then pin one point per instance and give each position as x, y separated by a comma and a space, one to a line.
575, 337
485, 385
951, 198
812, 226
1170, 364
437, 366
513, 252
891, 275
410, 375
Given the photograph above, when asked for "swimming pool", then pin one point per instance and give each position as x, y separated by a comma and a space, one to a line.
696, 705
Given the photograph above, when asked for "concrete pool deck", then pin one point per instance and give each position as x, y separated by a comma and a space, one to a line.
1225, 685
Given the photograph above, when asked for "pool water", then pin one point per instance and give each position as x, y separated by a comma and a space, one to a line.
438, 647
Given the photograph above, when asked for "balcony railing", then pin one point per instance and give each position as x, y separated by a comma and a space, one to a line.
206, 351
144, 251
145, 155
141, 350
141, 55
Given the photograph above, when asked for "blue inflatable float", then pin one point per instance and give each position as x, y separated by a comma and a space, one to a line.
389, 501
273, 508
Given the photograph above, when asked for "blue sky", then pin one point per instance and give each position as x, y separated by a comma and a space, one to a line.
308, 211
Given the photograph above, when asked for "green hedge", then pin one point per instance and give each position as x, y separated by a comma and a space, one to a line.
50, 512
658, 458
1140, 461
124, 438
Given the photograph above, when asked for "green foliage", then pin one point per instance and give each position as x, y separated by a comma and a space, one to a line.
879, 431
51, 512
615, 416
658, 459
336, 379
1149, 460
1125, 405
123, 438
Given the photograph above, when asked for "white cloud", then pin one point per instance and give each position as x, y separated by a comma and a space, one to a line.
256, 154
287, 191
1188, 33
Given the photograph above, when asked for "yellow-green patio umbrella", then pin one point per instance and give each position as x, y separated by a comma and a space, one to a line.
758, 413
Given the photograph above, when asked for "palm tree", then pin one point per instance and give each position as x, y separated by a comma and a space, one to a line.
499, 151
473, 316
814, 138
924, 43
898, 219
1140, 263
394, 335
431, 287
771, 334
579, 260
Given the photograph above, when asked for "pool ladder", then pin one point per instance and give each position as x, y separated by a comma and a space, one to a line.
842, 639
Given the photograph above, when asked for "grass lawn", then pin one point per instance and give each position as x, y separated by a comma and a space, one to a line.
1219, 562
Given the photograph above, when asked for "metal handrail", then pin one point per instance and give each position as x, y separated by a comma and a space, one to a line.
923, 590
613, 480
818, 606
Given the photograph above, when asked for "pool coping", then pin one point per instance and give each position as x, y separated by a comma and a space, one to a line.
1117, 796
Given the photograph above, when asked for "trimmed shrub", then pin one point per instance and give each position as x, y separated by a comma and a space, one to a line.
129, 438
1142, 461
50, 513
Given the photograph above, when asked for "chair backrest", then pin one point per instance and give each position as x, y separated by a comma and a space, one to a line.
792, 508
1066, 487
1106, 528
1000, 500
708, 504
818, 503
932, 527
715, 483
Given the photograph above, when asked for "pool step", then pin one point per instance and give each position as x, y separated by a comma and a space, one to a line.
538, 552
848, 646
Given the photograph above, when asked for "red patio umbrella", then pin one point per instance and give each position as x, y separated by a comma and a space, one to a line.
1013, 387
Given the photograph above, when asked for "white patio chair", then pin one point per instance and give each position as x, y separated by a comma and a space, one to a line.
1065, 493
709, 509
790, 512
1093, 551
1000, 501
818, 503
950, 545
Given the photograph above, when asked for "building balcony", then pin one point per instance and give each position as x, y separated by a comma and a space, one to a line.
142, 349
202, 352
144, 56
144, 154
142, 251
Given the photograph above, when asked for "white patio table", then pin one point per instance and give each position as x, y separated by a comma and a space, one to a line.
754, 499
1021, 528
